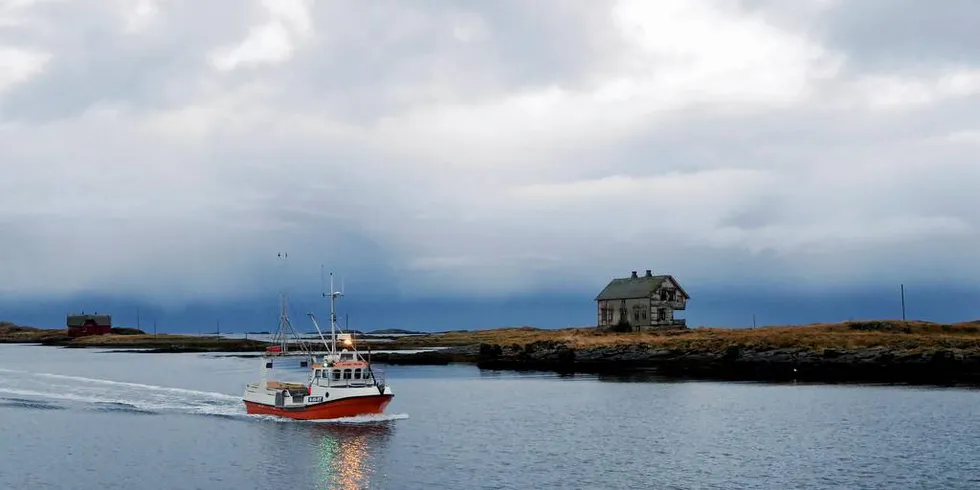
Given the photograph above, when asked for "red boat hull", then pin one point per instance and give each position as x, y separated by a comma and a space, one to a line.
347, 407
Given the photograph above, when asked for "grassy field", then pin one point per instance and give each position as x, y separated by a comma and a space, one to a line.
11, 333
846, 335
123, 338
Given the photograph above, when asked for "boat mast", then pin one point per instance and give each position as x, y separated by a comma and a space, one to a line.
285, 327
333, 314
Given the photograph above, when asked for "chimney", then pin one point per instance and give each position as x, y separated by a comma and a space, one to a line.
634, 275
649, 273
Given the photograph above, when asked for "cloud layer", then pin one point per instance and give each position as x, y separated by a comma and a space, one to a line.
170, 149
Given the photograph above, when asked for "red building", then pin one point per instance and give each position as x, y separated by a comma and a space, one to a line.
82, 325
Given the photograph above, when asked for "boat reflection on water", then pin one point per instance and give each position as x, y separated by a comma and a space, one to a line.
348, 454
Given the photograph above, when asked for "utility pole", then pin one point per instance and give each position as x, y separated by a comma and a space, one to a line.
217, 327
154, 328
137, 318
903, 302
753, 320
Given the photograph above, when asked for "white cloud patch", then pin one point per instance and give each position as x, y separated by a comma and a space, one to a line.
467, 153
273, 41
141, 16
19, 65
901, 92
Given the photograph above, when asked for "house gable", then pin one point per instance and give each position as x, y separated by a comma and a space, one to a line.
677, 285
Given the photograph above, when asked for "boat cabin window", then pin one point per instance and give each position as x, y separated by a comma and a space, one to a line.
346, 373
346, 356
357, 373
316, 374
325, 373
336, 374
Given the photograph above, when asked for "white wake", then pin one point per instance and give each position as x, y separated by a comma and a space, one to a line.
57, 391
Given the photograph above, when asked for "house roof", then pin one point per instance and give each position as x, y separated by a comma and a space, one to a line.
639, 287
79, 320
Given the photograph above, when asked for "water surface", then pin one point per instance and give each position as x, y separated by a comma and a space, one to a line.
96, 419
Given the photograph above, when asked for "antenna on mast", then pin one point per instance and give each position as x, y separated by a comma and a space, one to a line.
333, 316
285, 327
323, 283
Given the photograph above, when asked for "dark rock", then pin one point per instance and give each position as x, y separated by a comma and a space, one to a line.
732, 353
735, 363
490, 351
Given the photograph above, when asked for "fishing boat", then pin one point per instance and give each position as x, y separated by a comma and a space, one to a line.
341, 383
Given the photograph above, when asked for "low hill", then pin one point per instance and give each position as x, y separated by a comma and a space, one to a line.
394, 331
13, 333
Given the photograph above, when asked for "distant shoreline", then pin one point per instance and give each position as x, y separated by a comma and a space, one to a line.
132, 338
878, 351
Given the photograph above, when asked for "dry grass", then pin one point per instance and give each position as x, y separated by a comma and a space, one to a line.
909, 336
514, 335
10, 332
847, 335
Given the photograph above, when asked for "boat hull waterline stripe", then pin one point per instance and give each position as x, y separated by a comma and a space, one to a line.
347, 407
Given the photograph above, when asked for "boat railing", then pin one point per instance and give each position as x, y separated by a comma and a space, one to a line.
350, 382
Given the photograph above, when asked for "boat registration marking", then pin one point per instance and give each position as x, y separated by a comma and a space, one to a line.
314, 399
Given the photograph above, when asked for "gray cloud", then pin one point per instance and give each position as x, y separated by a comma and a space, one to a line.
905, 35
482, 149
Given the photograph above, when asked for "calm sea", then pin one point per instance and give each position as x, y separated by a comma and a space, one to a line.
84, 419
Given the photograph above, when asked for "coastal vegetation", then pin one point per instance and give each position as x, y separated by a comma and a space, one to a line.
911, 335
126, 337
865, 351
846, 335
873, 350
13, 333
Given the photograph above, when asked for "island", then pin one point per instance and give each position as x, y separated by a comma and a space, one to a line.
127, 337
876, 351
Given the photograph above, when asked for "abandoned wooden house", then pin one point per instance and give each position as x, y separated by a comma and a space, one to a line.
641, 303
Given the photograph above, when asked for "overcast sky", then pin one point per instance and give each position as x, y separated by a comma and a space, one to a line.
168, 150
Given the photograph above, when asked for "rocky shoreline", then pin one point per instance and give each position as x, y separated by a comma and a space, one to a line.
874, 365
939, 367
